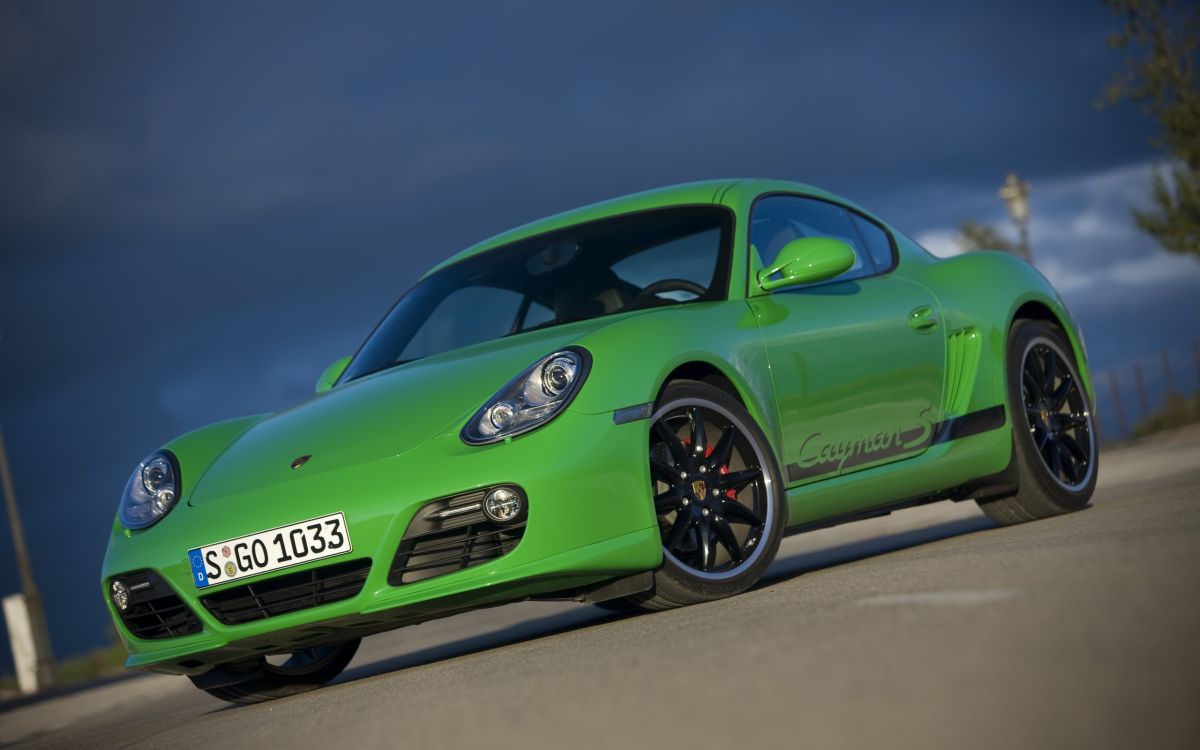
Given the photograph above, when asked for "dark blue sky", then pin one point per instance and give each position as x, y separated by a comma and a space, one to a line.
201, 205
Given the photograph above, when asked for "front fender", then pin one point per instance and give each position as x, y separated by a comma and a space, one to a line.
631, 360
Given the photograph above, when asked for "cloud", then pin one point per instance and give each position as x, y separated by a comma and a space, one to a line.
941, 242
1146, 271
1092, 207
1155, 269
1083, 236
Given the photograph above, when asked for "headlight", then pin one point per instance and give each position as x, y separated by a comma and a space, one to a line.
151, 491
531, 399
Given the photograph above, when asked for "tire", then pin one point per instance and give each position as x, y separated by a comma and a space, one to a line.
742, 513
1054, 445
304, 670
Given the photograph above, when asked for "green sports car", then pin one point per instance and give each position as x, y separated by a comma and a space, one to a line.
630, 404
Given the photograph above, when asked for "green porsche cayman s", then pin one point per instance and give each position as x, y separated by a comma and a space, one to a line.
629, 403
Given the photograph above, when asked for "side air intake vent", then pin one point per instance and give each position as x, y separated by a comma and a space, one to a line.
962, 364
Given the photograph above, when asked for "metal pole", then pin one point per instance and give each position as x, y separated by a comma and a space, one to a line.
1015, 194
1140, 385
1196, 357
33, 598
1122, 425
1166, 358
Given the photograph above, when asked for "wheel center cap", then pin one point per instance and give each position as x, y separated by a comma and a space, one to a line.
699, 488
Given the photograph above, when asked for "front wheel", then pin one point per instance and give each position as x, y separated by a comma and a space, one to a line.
1054, 443
718, 496
287, 674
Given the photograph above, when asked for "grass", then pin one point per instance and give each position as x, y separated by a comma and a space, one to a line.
100, 662
1178, 411
105, 661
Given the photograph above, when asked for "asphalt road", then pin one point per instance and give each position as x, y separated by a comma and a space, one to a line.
929, 628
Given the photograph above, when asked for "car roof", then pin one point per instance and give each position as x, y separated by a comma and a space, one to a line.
733, 192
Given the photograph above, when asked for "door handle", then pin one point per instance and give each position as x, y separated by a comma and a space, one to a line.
923, 320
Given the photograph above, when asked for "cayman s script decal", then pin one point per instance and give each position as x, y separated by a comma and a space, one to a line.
819, 457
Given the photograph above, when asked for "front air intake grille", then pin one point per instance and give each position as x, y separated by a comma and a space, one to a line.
288, 593
155, 610
451, 534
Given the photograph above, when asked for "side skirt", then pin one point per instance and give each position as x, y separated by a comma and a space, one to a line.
994, 486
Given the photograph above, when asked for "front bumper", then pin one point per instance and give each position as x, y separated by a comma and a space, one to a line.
590, 518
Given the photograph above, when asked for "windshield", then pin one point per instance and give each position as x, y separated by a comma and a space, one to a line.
650, 259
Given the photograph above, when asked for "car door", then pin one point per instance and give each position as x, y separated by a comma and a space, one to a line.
856, 362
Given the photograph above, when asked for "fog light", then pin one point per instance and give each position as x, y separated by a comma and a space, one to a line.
503, 505
120, 595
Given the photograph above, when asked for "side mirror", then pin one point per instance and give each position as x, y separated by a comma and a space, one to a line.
806, 261
331, 374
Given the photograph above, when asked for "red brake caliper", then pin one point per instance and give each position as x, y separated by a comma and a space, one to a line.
723, 469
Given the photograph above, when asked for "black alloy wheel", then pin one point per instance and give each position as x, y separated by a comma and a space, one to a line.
710, 493
1057, 415
717, 494
1055, 455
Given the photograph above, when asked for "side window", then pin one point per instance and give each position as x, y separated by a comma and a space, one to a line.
879, 247
467, 316
779, 219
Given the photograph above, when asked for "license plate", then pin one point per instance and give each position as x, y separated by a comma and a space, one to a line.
283, 547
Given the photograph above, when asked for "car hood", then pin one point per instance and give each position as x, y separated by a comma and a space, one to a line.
378, 417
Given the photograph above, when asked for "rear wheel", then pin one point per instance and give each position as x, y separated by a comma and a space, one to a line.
1054, 444
718, 496
289, 674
